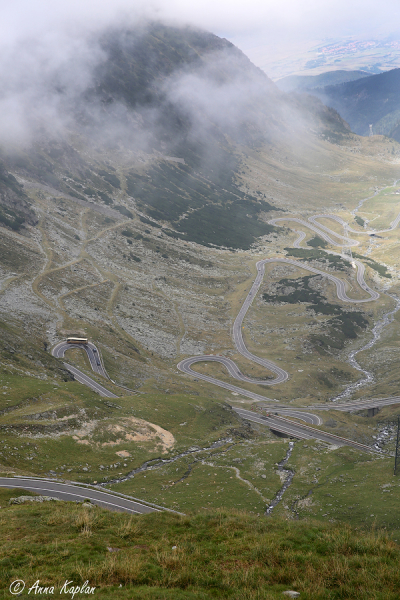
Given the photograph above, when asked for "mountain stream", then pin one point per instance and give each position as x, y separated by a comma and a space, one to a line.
289, 476
376, 333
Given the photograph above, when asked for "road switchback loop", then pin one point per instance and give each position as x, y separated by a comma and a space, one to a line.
280, 374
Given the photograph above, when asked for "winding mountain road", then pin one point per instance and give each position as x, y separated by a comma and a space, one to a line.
280, 374
321, 230
276, 374
95, 362
76, 492
300, 431
327, 234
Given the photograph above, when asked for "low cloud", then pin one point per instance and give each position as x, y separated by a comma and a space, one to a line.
51, 82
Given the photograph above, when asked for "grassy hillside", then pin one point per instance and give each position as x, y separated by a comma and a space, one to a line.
223, 554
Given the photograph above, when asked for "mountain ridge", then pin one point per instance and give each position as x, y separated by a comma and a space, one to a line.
370, 100
310, 82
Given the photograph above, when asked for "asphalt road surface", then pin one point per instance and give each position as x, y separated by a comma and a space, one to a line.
91, 350
300, 431
69, 491
359, 404
324, 232
95, 362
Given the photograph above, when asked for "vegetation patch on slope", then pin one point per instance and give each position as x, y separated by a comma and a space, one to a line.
345, 324
317, 242
381, 269
329, 259
209, 210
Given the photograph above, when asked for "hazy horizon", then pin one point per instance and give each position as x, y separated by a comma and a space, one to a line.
266, 32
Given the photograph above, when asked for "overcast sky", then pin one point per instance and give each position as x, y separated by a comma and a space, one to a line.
261, 28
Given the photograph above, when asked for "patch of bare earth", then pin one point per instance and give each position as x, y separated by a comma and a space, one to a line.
126, 430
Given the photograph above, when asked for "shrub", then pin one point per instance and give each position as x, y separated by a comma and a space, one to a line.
124, 211
317, 242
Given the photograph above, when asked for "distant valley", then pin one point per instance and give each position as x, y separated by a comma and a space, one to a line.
373, 55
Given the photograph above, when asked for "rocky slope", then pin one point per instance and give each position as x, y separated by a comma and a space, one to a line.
15, 209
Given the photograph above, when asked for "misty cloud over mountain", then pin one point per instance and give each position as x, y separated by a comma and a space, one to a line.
144, 87
155, 91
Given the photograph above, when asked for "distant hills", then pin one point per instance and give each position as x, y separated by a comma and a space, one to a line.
312, 82
350, 54
371, 100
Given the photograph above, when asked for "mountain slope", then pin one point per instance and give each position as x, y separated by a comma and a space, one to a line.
15, 209
134, 184
371, 100
190, 105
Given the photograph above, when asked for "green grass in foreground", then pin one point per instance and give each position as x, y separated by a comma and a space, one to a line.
220, 554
